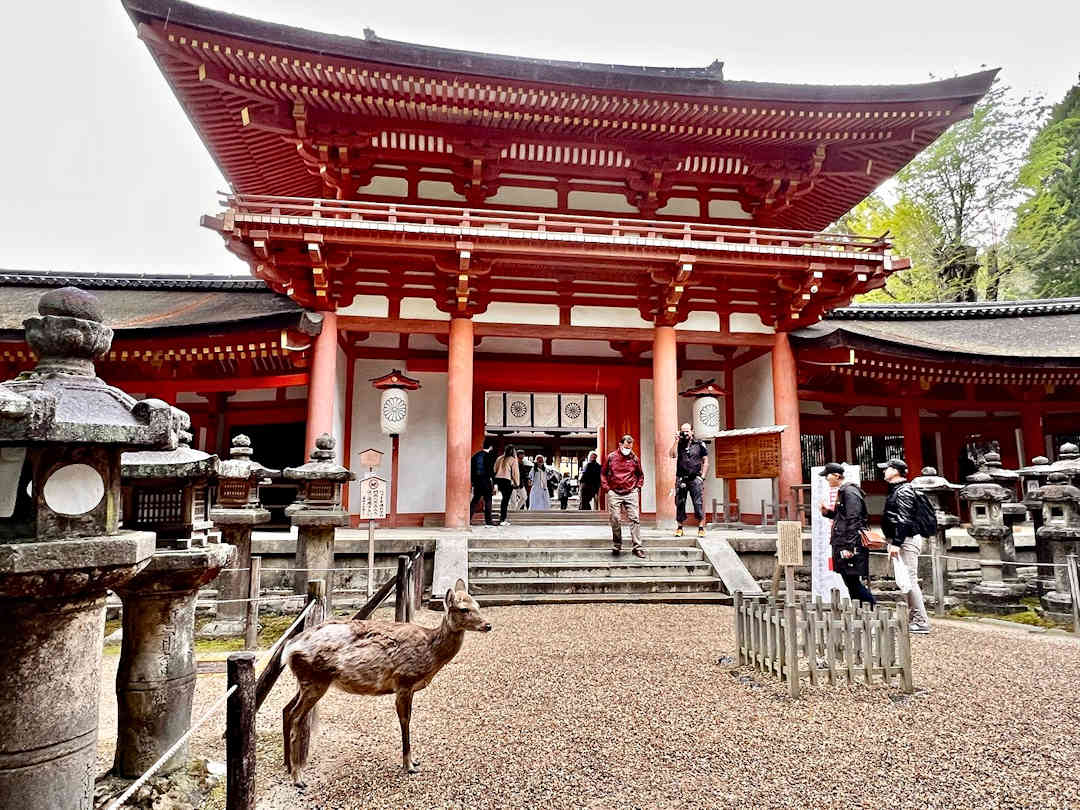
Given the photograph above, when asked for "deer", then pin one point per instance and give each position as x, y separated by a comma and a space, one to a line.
371, 658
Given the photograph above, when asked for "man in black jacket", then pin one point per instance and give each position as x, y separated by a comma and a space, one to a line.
481, 473
590, 482
898, 524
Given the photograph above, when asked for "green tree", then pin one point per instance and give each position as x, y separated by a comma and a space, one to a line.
1046, 238
952, 207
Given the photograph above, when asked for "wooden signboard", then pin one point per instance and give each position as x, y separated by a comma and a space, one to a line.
753, 456
372, 498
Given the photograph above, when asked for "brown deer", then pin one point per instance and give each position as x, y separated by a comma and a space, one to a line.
371, 658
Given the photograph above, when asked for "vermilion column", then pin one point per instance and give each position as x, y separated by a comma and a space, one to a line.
1031, 425
459, 383
320, 414
786, 412
909, 422
665, 422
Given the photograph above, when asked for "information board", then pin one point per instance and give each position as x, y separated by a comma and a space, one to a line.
372, 498
752, 456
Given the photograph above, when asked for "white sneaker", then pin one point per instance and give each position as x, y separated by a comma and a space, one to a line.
918, 629
504, 523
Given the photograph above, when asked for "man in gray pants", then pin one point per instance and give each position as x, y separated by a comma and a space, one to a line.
898, 523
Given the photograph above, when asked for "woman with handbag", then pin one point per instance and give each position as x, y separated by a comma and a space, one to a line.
850, 556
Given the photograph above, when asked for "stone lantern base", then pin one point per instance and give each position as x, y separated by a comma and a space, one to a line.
236, 526
52, 595
1058, 606
998, 597
155, 683
315, 547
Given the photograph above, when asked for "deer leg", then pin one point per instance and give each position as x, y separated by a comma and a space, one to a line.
404, 713
297, 733
286, 728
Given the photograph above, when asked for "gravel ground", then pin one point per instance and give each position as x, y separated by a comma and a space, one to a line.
625, 706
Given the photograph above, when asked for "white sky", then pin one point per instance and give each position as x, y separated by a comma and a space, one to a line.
102, 171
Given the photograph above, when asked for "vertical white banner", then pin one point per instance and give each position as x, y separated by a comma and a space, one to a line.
822, 579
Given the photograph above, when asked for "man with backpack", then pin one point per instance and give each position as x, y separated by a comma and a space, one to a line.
908, 519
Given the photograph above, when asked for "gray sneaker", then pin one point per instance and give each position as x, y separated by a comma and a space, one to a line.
918, 629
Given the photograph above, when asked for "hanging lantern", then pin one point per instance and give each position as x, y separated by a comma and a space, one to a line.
706, 408
394, 403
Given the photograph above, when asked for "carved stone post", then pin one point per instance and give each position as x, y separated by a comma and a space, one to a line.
62, 431
988, 527
1061, 530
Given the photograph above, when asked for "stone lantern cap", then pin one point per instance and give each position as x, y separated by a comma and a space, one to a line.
241, 466
322, 466
1040, 467
981, 487
932, 483
992, 466
182, 464
62, 401
1058, 489
1068, 460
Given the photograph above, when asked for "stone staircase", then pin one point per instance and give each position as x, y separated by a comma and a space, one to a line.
551, 517
514, 571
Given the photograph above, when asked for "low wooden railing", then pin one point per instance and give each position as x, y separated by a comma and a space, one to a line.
550, 223
824, 643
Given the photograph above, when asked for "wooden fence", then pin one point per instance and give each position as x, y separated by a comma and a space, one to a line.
824, 643
244, 702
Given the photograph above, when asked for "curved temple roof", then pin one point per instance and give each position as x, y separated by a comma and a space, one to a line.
797, 156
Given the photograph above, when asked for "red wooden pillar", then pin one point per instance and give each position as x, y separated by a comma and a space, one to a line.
786, 412
912, 429
320, 414
459, 403
1031, 425
665, 422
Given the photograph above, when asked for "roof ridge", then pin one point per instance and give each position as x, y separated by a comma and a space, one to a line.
119, 281
954, 310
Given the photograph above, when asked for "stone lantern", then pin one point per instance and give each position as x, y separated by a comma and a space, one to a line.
317, 513
62, 431
1061, 529
705, 411
989, 529
394, 402
1068, 462
1012, 511
164, 491
1032, 478
940, 493
236, 512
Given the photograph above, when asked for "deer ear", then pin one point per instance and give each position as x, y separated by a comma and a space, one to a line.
459, 585
449, 601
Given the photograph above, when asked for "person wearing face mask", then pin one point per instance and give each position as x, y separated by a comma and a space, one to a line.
691, 465
621, 478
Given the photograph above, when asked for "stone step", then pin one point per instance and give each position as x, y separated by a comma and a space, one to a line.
683, 598
479, 572
489, 556
483, 586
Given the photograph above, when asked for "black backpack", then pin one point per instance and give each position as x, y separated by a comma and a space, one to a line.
924, 521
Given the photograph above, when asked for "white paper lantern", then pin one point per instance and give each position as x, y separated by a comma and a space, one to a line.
706, 417
394, 411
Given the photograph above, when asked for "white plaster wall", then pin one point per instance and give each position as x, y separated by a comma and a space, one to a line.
296, 392
379, 340
582, 348
645, 447
754, 408
373, 306
681, 207
544, 314
426, 343
423, 309
365, 423
869, 410
747, 322
254, 395
607, 316
187, 396
727, 209
814, 408
386, 186
435, 190
505, 345
528, 197
423, 448
600, 201
701, 321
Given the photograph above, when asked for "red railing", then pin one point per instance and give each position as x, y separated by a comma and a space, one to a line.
561, 224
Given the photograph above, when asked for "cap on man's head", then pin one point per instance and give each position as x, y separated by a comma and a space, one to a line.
832, 467
897, 464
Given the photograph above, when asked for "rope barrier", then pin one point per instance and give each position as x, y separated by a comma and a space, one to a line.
127, 794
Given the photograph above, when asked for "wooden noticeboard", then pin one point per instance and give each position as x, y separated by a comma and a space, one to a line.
372, 498
754, 456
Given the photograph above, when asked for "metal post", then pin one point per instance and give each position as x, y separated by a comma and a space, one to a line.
240, 733
370, 558
938, 577
251, 618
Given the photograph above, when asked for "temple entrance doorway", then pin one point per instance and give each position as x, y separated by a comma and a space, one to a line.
563, 428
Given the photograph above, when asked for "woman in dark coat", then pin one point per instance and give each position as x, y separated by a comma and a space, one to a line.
851, 560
